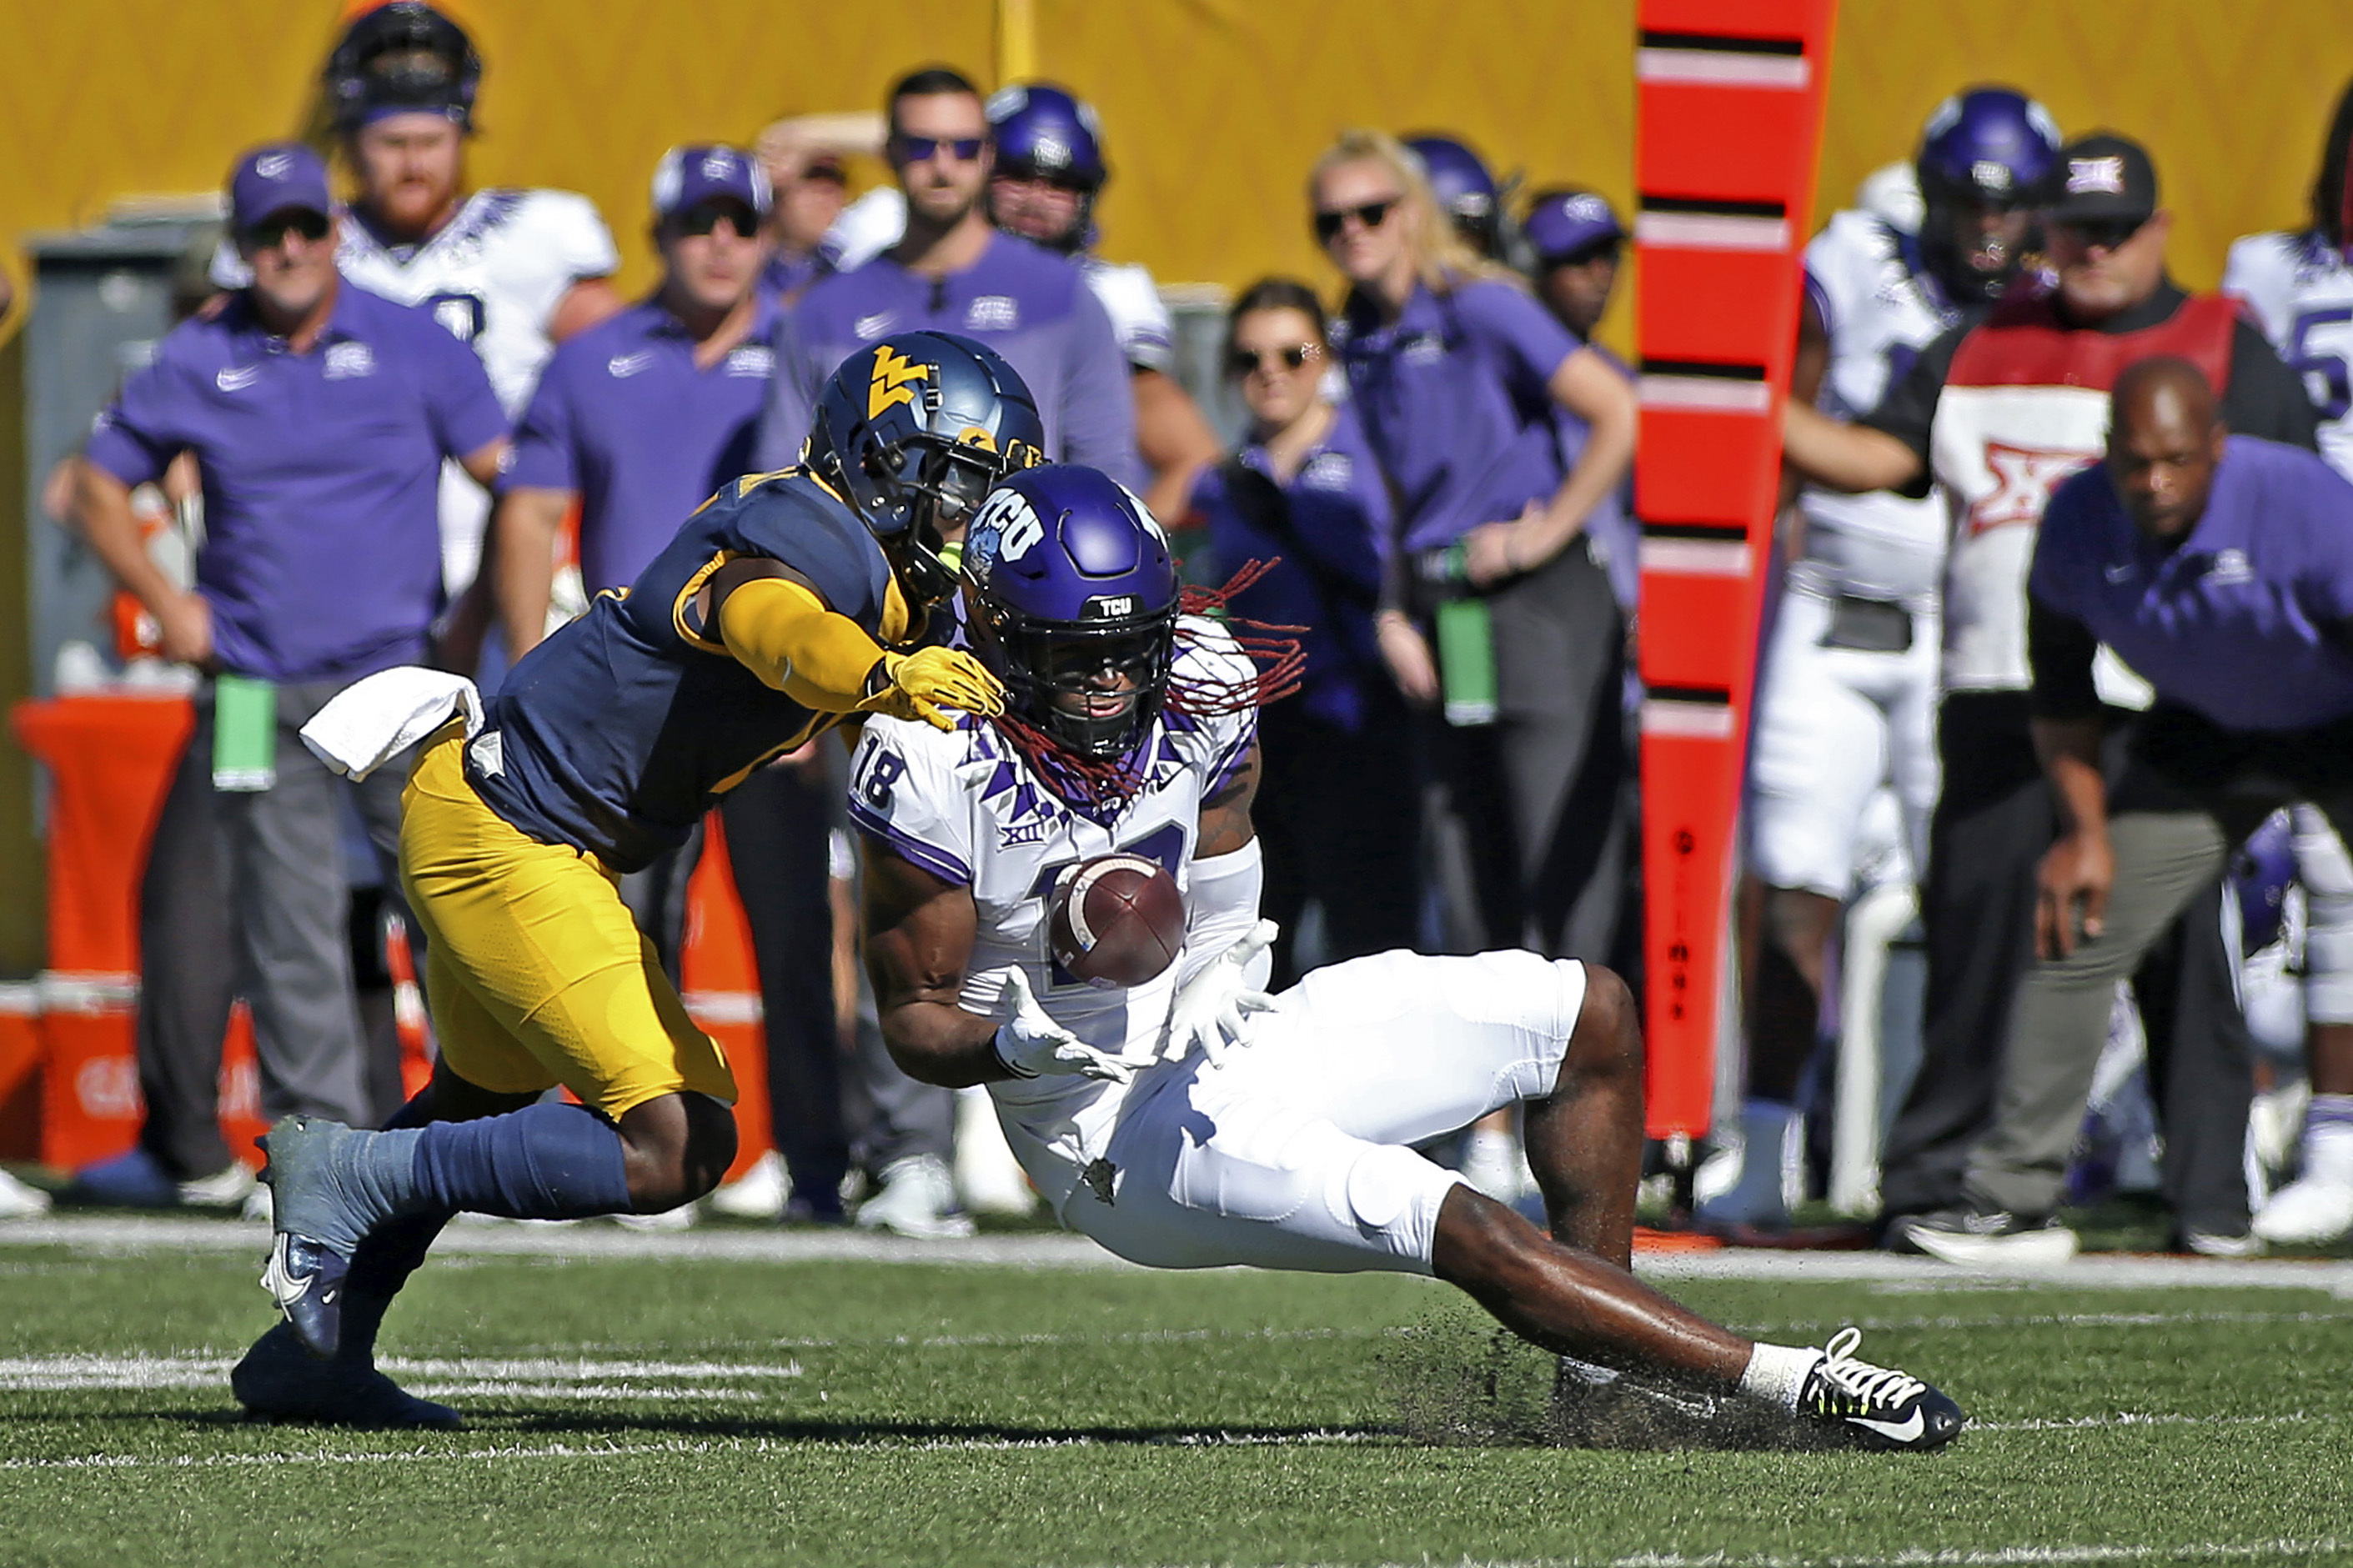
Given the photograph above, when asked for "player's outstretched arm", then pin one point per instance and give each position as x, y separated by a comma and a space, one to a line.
919, 936
780, 628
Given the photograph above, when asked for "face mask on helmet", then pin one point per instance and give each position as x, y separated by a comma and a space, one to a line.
1974, 246
401, 58
1092, 689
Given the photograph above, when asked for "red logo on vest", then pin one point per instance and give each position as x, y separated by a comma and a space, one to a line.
2024, 477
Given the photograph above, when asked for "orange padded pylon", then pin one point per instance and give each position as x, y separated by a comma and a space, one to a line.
1728, 125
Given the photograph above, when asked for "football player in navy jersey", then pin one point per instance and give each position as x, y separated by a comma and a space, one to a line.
787, 603
1189, 1120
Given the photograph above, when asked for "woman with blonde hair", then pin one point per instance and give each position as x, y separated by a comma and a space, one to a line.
1459, 375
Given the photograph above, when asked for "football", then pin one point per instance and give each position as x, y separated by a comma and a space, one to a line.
1117, 919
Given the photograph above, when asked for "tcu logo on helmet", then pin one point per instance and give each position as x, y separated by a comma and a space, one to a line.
1006, 528
2024, 478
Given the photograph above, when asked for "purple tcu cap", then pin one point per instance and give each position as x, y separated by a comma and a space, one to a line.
1563, 222
273, 179
700, 173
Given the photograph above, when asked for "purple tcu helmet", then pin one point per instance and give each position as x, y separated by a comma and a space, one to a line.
1072, 598
1466, 192
1044, 133
1990, 149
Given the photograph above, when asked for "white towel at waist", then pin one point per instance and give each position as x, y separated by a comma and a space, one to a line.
373, 721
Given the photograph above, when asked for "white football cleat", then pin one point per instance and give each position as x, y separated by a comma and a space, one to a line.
759, 1194
988, 1179
918, 1199
2310, 1209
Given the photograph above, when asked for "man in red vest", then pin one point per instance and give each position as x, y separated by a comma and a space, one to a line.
1998, 411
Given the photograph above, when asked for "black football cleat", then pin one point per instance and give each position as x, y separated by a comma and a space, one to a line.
279, 1380
305, 1277
305, 1274
1851, 1403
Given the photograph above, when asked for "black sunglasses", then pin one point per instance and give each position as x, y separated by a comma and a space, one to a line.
1241, 362
1372, 215
923, 148
702, 218
271, 231
2106, 233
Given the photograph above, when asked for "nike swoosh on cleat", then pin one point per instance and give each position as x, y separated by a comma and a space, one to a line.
284, 1286
1906, 1431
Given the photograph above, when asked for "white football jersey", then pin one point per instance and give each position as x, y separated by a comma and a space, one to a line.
493, 275
2301, 292
875, 221
966, 806
1879, 314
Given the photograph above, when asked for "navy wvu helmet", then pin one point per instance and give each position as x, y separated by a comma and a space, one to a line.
1071, 599
911, 432
405, 58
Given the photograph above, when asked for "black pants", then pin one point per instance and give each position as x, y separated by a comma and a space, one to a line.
1985, 840
1527, 818
1339, 816
778, 824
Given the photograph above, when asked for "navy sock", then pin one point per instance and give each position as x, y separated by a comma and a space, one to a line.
549, 1161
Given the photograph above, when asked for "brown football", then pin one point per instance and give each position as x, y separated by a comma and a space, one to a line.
1117, 919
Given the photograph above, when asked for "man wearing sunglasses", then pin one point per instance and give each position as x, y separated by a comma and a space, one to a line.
319, 416
638, 419
950, 271
1999, 412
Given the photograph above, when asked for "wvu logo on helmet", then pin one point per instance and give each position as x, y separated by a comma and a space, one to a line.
894, 374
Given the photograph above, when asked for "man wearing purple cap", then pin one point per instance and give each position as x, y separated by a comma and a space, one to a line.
1575, 237
319, 416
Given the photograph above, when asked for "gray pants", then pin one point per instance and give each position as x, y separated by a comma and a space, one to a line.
279, 854
2164, 857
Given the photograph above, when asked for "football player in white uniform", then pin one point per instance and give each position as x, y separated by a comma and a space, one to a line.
1049, 171
2300, 287
1847, 697
1191, 1122
510, 272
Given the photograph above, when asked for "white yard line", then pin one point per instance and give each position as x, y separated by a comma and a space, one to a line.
115, 1235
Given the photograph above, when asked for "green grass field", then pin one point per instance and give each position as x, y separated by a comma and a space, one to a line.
680, 1408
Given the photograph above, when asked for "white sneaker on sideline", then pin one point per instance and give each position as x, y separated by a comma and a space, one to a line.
2309, 1209
21, 1200
256, 1204
759, 1194
228, 1190
987, 1177
918, 1199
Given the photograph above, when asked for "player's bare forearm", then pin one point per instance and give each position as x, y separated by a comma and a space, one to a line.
102, 510
1850, 457
523, 571
1226, 824
1806, 374
2070, 751
1587, 387
919, 937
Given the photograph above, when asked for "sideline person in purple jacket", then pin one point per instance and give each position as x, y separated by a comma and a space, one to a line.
1337, 808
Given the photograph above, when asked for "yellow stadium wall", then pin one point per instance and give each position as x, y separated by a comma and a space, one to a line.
1213, 110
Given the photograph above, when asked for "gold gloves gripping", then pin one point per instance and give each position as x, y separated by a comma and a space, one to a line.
926, 683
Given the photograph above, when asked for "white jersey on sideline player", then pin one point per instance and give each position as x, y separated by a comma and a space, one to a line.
2300, 290
875, 221
493, 275
1849, 698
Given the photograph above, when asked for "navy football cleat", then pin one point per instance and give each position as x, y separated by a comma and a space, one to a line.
1851, 1404
279, 1380
305, 1274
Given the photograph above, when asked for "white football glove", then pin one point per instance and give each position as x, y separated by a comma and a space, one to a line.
1213, 1008
1032, 1045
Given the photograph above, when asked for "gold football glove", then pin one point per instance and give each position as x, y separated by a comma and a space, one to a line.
926, 683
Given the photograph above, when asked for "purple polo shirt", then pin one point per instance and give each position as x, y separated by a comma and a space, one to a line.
322, 476
1030, 305
1327, 572
623, 418
2247, 619
1454, 399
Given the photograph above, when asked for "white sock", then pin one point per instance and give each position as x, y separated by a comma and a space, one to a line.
1777, 1373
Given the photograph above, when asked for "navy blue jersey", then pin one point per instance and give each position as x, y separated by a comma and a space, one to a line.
617, 733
